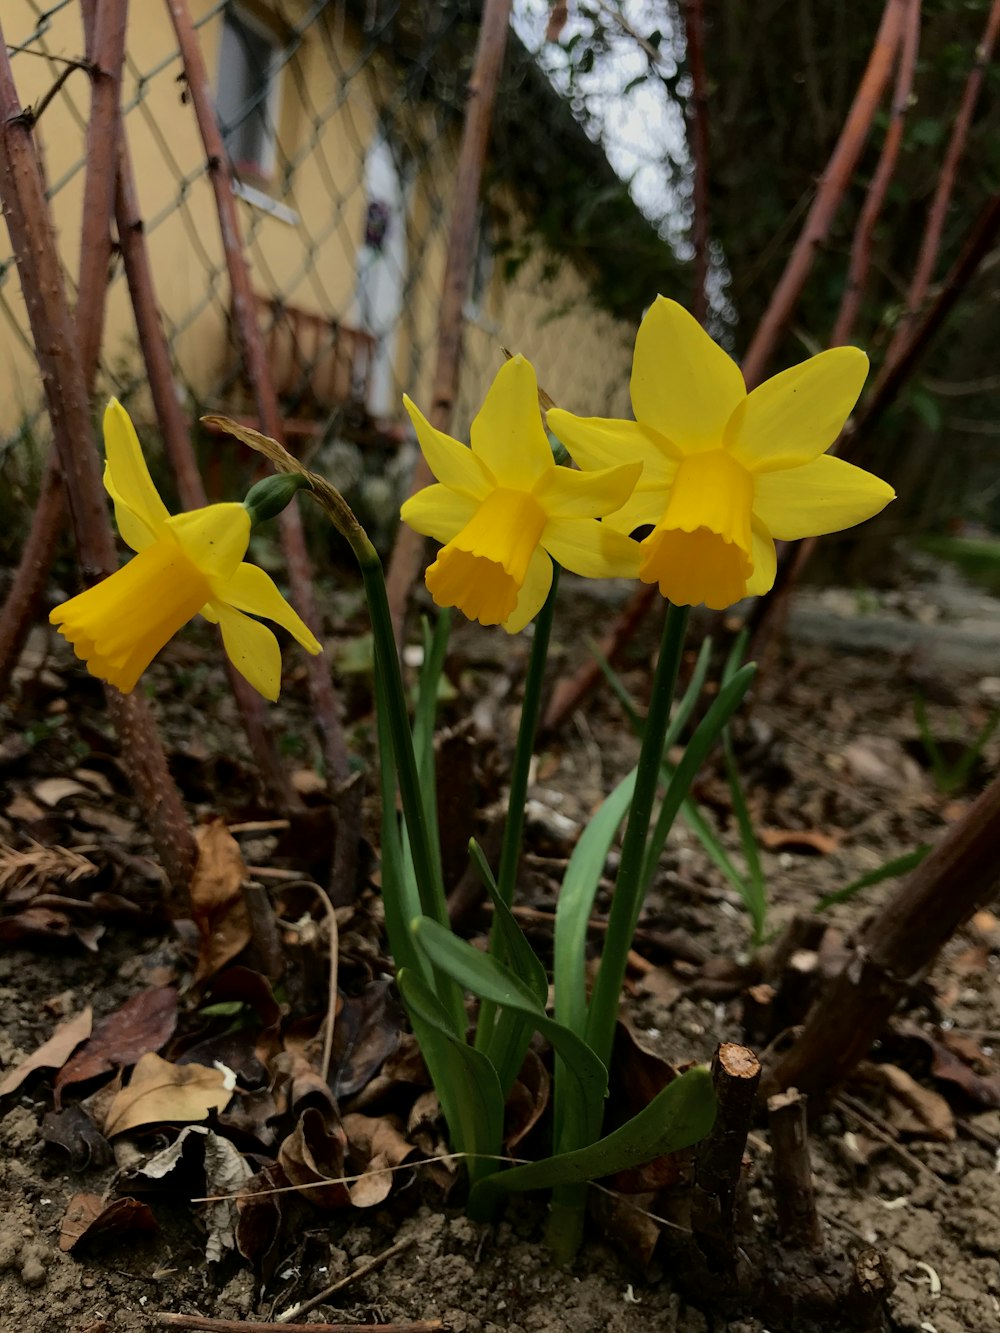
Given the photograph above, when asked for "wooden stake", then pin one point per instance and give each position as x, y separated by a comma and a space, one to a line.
199, 87
901, 941
798, 1221
407, 554
40, 270
718, 1161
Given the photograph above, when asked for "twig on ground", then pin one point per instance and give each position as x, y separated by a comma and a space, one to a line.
203, 1324
361, 1271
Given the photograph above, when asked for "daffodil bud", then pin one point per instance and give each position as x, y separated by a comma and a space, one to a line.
269, 497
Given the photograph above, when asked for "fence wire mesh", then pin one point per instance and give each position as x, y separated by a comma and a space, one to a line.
343, 123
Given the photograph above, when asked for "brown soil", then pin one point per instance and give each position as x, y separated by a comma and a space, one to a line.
832, 750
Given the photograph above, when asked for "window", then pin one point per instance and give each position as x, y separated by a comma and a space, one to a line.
247, 92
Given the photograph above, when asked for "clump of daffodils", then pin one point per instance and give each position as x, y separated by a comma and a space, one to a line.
717, 472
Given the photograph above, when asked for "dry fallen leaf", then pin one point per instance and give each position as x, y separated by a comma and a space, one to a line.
50, 791
162, 1093
53, 1053
217, 900
381, 1141
798, 840
145, 1022
87, 1215
312, 1157
910, 1108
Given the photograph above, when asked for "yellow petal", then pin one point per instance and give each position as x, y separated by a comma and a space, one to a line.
765, 561
591, 548
695, 568
251, 589
134, 532
451, 462
214, 538
597, 442
645, 505
563, 493
129, 475
507, 434
252, 649
438, 512
825, 495
119, 625
795, 416
534, 591
684, 386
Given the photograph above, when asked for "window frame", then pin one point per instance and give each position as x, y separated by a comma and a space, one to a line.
263, 170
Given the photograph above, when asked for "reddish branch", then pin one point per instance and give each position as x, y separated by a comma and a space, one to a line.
898, 945
258, 370
40, 271
930, 244
694, 27
172, 423
104, 25
404, 564
830, 192
861, 246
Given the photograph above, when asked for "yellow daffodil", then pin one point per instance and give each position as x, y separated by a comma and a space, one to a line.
503, 507
186, 564
725, 472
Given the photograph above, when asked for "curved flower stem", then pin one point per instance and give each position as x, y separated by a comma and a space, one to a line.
432, 899
510, 852
629, 885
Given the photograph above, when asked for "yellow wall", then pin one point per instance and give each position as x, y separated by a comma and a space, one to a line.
582, 356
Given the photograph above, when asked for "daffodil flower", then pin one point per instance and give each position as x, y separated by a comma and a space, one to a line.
186, 564
504, 510
725, 472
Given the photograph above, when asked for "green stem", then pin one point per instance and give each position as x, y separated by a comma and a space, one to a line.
510, 852
426, 866
531, 706
629, 885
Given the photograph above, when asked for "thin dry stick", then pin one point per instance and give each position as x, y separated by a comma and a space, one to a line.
170, 416
694, 28
205, 1325
42, 284
893, 375
104, 26
20, 610
901, 941
404, 564
829, 193
353, 1276
930, 243
325, 703
861, 245
331, 1003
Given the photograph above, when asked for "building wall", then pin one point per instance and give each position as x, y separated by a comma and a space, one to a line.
327, 117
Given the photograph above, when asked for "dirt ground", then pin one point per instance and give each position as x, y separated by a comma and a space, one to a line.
838, 782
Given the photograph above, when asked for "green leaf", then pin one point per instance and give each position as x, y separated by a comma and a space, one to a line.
464, 1079
488, 978
576, 902
899, 865
681, 1114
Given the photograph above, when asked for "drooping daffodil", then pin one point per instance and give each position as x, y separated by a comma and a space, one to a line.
726, 472
185, 564
505, 510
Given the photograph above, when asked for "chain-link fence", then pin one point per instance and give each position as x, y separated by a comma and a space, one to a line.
342, 121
